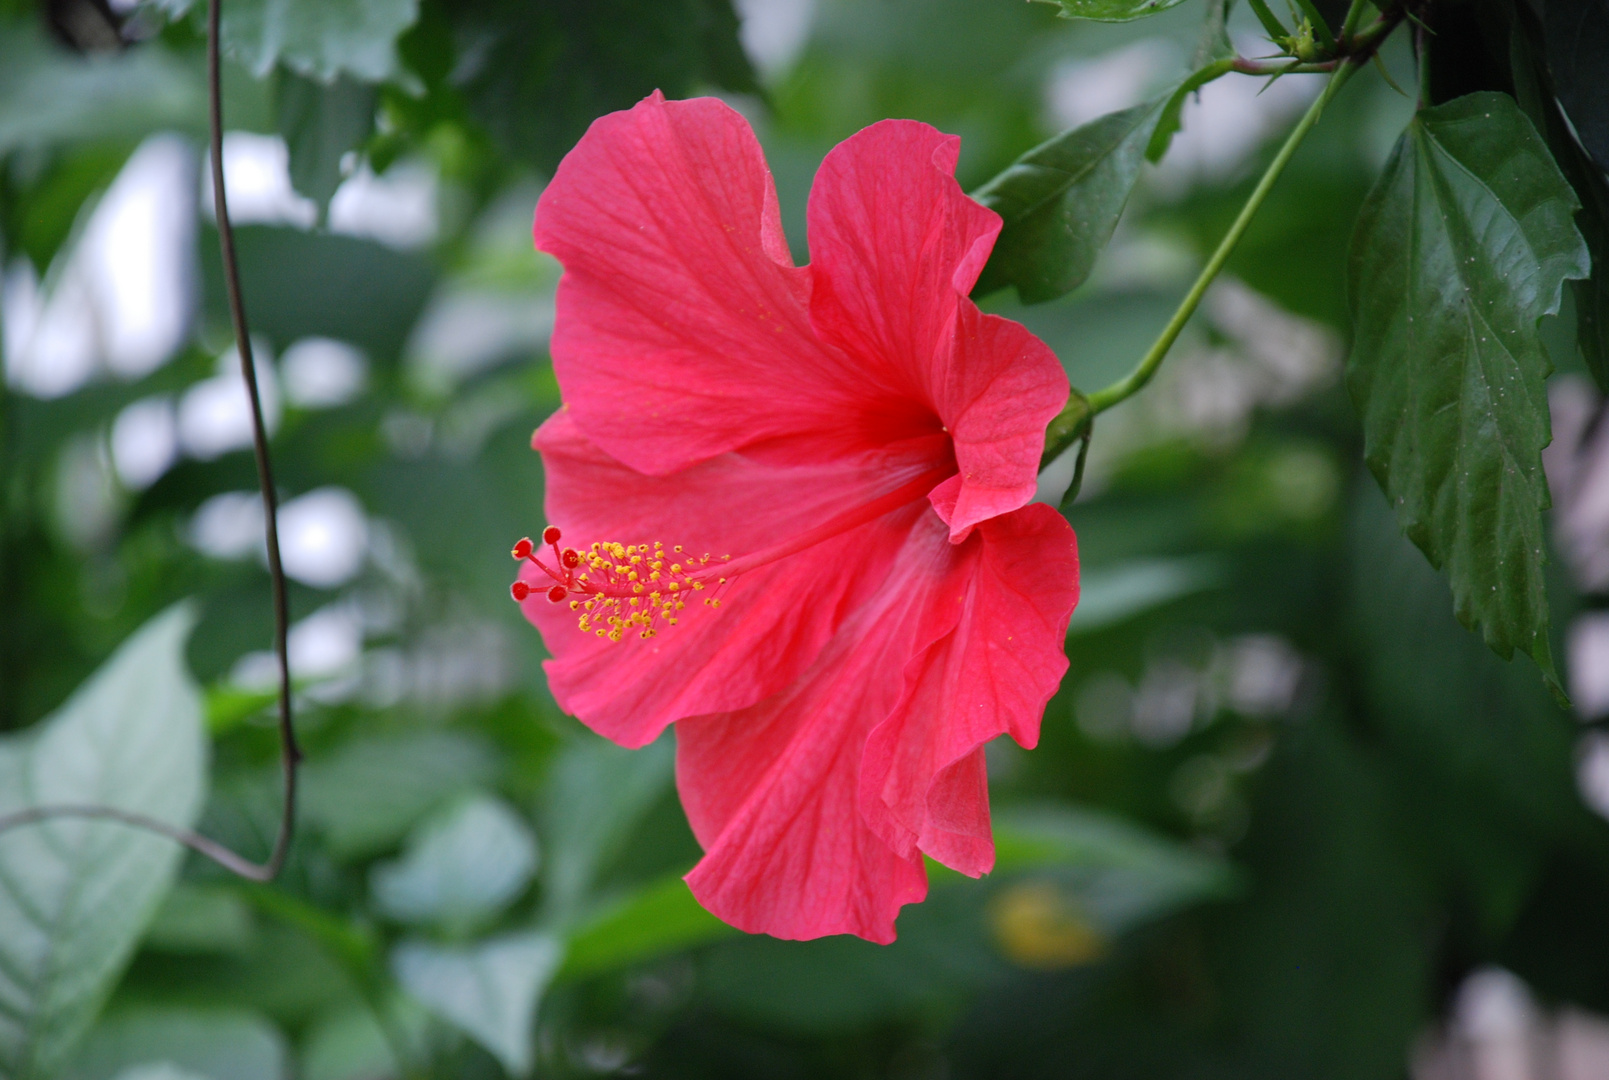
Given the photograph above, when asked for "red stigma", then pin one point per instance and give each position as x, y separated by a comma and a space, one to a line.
620, 587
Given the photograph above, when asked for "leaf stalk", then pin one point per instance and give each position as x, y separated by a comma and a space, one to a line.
1065, 429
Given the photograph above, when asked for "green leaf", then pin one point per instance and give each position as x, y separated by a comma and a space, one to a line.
321, 124
49, 96
490, 990
1169, 123
1123, 875
219, 1044
1461, 248
321, 39
1060, 202
366, 796
1111, 10
662, 917
1275, 29
597, 793
462, 866
76, 894
1111, 595
37, 221
1492, 756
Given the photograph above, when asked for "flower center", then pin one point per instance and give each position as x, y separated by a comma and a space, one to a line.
617, 588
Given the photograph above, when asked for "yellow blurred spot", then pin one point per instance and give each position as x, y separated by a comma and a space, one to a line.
1039, 926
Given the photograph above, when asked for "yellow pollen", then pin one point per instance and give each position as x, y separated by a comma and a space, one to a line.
608, 595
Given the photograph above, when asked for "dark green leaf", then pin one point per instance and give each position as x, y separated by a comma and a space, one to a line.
321, 124
1168, 124
1060, 202
1576, 35
1111, 10
1492, 755
1464, 244
75, 894
544, 70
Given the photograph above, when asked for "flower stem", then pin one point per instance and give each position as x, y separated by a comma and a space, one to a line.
290, 753
1105, 398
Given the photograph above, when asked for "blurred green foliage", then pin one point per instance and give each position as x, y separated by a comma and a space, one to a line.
1283, 804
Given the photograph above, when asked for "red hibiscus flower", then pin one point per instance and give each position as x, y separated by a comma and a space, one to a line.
795, 506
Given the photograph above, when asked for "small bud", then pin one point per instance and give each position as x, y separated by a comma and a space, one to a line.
519, 590
550, 535
522, 550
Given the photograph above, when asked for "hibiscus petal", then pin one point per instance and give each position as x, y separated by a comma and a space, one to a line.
682, 330
999, 390
773, 620
993, 655
895, 246
771, 791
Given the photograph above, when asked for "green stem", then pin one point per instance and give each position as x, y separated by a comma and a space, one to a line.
1354, 15
1126, 387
